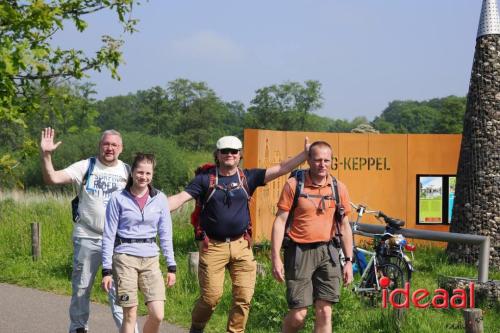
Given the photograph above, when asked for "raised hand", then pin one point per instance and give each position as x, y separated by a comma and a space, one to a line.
307, 145
47, 144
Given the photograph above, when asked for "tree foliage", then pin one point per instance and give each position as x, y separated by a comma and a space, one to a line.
27, 58
30, 65
285, 106
439, 115
189, 112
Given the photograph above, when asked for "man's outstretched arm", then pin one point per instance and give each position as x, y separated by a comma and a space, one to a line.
177, 200
288, 165
47, 146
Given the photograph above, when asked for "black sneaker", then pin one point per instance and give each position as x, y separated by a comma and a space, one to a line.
81, 330
195, 330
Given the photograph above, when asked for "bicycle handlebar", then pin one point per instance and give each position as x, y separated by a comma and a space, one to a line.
395, 223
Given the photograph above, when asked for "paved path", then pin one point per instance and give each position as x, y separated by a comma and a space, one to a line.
25, 310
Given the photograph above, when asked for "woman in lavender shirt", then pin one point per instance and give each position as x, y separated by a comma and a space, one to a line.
134, 217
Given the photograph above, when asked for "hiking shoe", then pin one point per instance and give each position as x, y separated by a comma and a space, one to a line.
195, 330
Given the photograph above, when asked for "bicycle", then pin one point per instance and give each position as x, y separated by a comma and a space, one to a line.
388, 260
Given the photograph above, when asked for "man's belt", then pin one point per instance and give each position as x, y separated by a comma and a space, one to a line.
120, 240
226, 239
314, 245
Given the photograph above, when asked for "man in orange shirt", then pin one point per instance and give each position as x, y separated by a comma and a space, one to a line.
312, 268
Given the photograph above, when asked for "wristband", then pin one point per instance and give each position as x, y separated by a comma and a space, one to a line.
348, 259
107, 272
172, 269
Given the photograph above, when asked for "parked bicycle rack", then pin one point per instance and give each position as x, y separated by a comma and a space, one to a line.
483, 241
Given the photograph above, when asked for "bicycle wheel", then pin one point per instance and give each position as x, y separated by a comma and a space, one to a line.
401, 263
397, 280
394, 273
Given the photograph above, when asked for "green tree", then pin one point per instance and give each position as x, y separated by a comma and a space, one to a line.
68, 107
451, 114
154, 116
234, 123
200, 113
119, 112
407, 117
438, 115
285, 106
29, 64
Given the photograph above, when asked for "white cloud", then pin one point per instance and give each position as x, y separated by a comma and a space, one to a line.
208, 46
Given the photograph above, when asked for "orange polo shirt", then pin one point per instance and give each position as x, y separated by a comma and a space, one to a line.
311, 223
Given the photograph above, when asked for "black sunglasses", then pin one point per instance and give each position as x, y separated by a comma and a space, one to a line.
226, 151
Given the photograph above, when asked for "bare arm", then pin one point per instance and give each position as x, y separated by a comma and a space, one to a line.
277, 235
47, 146
178, 200
288, 165
346, 231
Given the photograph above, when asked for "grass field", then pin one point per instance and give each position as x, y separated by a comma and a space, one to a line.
52, 273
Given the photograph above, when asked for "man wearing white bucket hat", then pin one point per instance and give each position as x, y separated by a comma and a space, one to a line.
223, 229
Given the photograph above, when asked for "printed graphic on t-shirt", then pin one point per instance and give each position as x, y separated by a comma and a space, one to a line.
103, 185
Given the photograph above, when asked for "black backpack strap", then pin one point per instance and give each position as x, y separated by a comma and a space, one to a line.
76, 200
339, 209
299, 175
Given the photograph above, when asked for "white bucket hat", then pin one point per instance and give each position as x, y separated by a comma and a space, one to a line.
230, 142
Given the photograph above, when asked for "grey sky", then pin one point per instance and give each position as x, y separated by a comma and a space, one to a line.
365, 53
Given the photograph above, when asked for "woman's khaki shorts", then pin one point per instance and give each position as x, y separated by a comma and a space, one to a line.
132, 273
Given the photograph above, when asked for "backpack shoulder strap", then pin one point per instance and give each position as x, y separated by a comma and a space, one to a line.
88, 173
213, 180
127, 168
335, 190
339, 208
299, 175
90, 169
242, 179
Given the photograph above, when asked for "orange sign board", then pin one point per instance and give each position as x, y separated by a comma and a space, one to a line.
379, 170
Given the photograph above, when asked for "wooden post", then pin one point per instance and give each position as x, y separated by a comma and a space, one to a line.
36, 246
473, 320
193, 260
